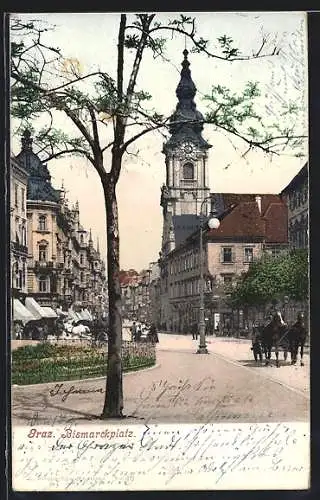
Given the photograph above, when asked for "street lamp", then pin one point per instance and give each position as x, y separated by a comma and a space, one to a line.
213, 223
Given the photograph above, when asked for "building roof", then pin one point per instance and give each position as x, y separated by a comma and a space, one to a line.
298, 179
224, 201
39, 181
243, 219
186, 123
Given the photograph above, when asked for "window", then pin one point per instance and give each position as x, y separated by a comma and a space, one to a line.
81, 277
275, 252
248, 254
188, 171
16, 198
227, 279
43, 284
81, 258
42, 223
227, 254
23, 274
14, 273
17, 230
23, 235
19, 279
42, 253
81, 238
22, 199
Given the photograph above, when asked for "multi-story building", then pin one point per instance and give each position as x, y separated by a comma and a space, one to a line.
64, 268
18, 229
154, 294
296, 197
246, 231
250, 223
135, 290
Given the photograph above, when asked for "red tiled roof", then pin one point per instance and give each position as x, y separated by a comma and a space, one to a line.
236, 198
244, 220
276, 221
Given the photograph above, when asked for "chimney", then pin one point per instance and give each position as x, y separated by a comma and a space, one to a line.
258, 200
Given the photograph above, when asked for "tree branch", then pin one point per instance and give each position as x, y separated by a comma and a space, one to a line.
70, 151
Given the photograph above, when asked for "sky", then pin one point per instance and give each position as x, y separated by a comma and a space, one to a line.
91, 38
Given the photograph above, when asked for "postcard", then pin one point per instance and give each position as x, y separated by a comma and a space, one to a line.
159, 225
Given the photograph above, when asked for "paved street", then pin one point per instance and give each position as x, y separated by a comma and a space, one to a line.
224, 386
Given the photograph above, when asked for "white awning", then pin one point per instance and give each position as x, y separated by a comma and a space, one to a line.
35, 308
60, 312
21, 313
74, 316
85, 314
49, 312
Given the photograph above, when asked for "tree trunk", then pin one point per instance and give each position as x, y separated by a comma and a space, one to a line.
113, 404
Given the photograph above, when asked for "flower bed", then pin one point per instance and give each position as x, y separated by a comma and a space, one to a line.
50, 363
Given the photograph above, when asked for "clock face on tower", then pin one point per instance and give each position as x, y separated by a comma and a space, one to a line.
188, 147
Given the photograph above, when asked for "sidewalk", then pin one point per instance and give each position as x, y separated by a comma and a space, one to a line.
238, 351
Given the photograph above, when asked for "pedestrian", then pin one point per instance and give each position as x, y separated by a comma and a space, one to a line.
133, 332
138, 333
195, 331
153, 333
256, 343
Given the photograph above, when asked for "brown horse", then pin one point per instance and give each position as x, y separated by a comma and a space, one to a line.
297, 335
272, 336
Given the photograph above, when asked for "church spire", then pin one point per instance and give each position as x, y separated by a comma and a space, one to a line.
186, 89
26, 141
186, 123
90, 238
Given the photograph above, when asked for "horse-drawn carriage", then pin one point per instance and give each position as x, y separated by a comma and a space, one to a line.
277, 336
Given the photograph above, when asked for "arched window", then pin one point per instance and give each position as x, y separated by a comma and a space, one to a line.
42, 223
81, 277
42, 252
14, 274
81, 258
81, 238
188, 170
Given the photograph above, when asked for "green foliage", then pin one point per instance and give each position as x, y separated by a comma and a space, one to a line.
47, 362
273, 278
43, 82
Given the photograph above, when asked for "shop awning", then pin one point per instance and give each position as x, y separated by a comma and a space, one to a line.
35, 308
74, 316
85, 314
49, 312
21, 313
60, 312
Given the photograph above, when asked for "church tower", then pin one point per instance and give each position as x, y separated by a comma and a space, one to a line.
186, 166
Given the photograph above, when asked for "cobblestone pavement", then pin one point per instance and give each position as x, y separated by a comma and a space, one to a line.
224, 386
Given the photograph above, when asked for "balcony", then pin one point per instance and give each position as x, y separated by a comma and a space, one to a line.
17, 247
44, 265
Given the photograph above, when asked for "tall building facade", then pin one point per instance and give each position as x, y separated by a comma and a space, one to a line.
18, 229
296, 196
64, 268
247, 230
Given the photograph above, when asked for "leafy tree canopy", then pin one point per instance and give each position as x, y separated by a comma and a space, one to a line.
273, 278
